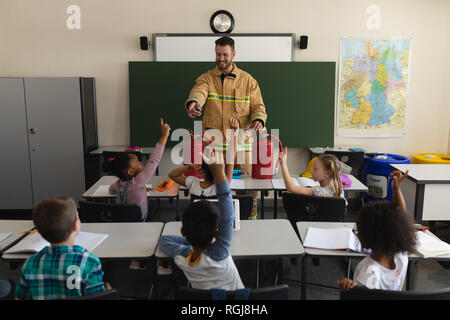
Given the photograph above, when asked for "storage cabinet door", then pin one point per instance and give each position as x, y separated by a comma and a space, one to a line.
15, 190
55, 137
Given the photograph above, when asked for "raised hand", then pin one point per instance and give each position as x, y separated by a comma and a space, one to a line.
397, 178
283, 155
165, 130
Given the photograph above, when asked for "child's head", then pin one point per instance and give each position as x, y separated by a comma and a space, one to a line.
326, 167
386, 228
200, 222
56, 219
124, 165
207, 172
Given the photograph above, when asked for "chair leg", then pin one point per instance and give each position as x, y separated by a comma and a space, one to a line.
257, 273
315, 261
349, 267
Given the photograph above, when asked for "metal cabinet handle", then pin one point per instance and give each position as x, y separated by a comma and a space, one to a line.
32, 131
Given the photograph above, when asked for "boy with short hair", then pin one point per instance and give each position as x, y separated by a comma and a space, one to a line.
63, 269
207, 264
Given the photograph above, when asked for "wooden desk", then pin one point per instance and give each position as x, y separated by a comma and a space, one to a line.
431, 183
303, 228
269, 238
317, 253
124, 241
257, 239
94, 191
357, 186
262, 185
99, 191
99, 151
318, 150
248, 184
16, 227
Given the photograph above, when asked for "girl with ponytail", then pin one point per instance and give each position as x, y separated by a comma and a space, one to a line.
325, 171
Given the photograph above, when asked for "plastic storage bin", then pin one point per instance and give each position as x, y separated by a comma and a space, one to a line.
431, 158
375, 175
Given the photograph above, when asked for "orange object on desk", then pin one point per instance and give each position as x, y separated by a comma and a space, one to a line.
164, 185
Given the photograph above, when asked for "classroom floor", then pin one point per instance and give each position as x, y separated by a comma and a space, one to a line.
135, 284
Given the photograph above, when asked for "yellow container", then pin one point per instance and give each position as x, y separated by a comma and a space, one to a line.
307, 173
431, 158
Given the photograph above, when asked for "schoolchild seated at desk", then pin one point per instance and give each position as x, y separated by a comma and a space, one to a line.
388, 230
133, 176
205, 188
205, 263
46, 274
325, 171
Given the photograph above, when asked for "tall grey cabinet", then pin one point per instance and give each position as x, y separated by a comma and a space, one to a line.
47, 128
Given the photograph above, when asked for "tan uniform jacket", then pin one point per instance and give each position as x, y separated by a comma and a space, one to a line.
239, 97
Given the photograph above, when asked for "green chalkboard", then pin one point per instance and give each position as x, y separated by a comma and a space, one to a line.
299, 98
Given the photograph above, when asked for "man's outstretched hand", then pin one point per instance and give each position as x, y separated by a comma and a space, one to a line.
194, 109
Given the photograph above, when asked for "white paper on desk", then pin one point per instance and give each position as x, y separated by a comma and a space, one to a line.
89, 240
102, 191
430, 246
4, 236
307, 182
148, 186
237, 184
279, 183
34, 242
332, 239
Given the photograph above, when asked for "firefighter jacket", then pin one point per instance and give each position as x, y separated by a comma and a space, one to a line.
239, 97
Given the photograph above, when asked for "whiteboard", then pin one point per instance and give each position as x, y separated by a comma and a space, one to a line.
201, 47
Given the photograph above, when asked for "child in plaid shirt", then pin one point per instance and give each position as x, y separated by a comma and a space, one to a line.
63, 269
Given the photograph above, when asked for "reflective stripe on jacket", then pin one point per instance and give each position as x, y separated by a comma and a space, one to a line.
239, 97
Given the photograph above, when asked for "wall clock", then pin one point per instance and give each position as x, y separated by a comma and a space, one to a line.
221, 22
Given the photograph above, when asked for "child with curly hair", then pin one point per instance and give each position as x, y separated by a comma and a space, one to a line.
388, 230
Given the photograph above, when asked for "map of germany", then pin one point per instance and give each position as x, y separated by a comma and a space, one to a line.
373, 85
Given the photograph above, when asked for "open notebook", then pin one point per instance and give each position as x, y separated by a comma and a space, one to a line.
34, 242
430, 246
299, 181
333, 239
102, 191
4, 236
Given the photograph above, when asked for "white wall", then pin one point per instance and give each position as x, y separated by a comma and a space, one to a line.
34, 41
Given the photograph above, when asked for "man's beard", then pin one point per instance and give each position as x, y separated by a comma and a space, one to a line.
227, 65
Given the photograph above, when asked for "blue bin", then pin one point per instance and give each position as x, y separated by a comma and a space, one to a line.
375, 173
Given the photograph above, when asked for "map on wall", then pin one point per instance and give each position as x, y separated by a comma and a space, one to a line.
373, 86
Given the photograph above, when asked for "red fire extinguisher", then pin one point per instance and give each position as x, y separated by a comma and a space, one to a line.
262, 157
192, 155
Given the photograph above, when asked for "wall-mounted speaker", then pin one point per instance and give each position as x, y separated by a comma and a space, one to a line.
144, 43
303, 44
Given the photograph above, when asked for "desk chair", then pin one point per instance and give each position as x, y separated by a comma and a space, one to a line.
245, 204
105, 212
310, 208
362, 293
353, 159
6, 289
112, 294
279, 292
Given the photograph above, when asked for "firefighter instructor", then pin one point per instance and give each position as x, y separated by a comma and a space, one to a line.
228, 92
